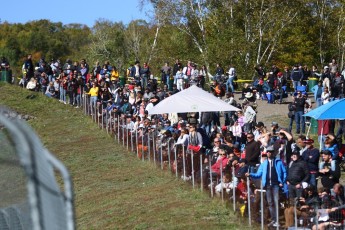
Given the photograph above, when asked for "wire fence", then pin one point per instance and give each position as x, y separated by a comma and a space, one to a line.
245, 197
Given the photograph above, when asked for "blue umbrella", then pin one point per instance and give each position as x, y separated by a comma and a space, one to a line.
332, 110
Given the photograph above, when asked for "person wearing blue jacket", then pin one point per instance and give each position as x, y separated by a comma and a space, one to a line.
317, 90
273, 176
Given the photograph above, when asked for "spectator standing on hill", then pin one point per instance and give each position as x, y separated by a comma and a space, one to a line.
4, 64
166, 71
291, 114
187, 73
202, 76
93, 96
135, 71
299, 102
250, 116
296, 77
326, 77
337, 82
176, 67
144, 75
325, 96
28, 68
260, 71
333, 66
317, 90
230, 81
96, 69
219, 71
306, 74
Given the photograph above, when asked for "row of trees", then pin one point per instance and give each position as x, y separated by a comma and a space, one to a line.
241, 32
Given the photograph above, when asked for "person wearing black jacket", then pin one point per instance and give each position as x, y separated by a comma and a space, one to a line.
299, 102
298, 173
329, 177
252, 151
311, 155
296, 76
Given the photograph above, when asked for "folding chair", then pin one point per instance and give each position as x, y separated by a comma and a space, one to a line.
302, 88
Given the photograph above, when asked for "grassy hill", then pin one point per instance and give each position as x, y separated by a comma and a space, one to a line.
113, 189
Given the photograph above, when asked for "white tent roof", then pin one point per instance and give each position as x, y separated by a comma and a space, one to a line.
193, 99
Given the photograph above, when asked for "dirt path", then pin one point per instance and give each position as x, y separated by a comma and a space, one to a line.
267, 113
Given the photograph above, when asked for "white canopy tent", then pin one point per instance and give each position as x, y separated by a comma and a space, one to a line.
193, 99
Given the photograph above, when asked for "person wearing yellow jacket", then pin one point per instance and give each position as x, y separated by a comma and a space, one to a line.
114, 74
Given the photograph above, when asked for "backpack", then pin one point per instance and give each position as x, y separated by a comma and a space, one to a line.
291, 108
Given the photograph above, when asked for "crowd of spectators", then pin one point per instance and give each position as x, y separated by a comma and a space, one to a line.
291, 168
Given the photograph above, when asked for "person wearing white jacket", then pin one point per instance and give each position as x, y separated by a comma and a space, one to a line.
325, 96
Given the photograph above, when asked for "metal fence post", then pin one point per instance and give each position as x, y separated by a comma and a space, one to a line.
136, 142
262, 204
176, 160
102, 117
233, 189
131, 133
248, 198
123, 130
154, 145
161, 150
148, 145
127, 128
211, 176
169, 153
142, 145
192, 159
118, 128
184, 162
221, 179
201, 181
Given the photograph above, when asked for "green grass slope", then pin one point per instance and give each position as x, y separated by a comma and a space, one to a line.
113, 189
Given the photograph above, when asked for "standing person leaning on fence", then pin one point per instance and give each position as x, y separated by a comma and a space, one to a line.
94, 96
273, 176
195, 145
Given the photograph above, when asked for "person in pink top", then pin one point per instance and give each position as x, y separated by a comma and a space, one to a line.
236, 130
241, 118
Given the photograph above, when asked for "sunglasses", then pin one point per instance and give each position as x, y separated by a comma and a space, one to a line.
222, 154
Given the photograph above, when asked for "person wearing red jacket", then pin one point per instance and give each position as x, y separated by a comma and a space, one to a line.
221, 162
215, 170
